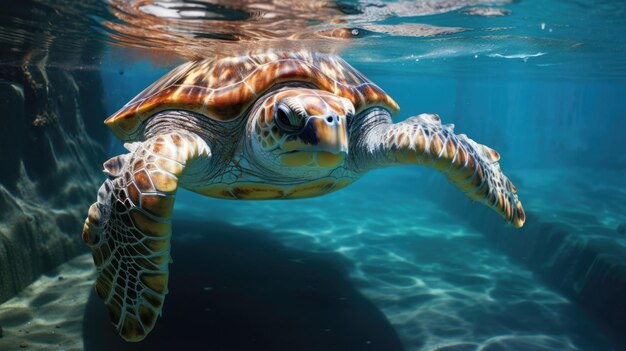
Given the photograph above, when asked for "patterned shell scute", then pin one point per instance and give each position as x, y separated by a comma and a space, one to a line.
223, 89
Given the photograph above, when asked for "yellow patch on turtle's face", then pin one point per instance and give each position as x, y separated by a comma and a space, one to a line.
303, 128
329, 160
297, 159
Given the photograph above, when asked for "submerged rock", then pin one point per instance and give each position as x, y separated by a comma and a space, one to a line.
49, 167
259, 299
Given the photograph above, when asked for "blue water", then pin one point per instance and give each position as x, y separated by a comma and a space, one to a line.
400, 259
543, 85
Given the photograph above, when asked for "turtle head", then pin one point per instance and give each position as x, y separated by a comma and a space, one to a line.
301, 128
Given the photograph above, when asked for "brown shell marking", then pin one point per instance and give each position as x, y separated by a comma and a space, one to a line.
223, 89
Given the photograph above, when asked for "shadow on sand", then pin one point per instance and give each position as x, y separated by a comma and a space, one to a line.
235, 288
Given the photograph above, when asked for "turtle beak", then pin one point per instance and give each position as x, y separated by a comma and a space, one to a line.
327, 133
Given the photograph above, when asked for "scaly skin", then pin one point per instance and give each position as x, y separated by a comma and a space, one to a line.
128, 229
377, 142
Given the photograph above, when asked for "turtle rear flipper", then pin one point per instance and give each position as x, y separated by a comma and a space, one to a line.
128, 229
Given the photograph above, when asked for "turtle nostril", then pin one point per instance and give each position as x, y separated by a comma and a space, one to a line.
329, 119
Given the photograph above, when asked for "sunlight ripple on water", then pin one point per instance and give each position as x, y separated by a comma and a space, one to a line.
416, 34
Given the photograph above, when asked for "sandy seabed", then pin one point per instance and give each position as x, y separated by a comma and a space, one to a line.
48, 314
401, 262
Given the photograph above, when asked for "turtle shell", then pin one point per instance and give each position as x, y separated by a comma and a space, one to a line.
223, 89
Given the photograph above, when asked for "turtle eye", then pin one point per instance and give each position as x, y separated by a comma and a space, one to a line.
287, 119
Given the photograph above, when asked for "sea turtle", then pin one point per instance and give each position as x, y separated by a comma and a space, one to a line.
260, 126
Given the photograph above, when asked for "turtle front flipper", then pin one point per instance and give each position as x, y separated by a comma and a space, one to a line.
128, 229
423, 140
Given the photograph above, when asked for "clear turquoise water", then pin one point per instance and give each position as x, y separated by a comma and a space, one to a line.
396, 260
543, 85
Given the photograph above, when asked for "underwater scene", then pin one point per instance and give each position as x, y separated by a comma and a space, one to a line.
427, 175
